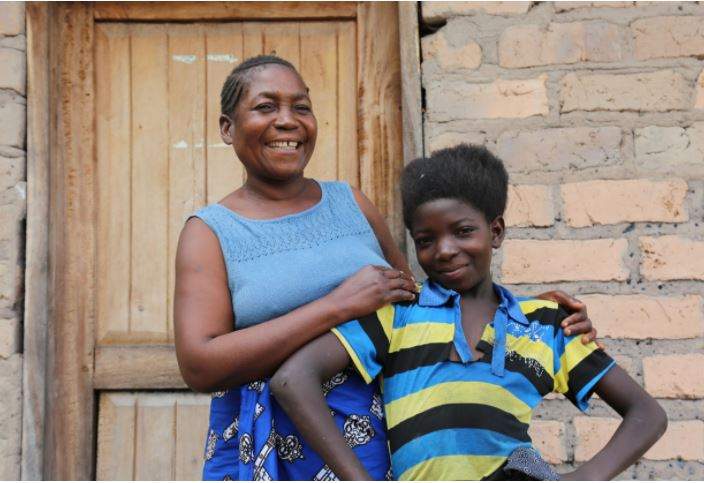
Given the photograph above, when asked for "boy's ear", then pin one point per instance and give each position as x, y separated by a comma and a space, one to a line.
498, 231
226, 125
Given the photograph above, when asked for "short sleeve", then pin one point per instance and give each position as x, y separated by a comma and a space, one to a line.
578, 367
367, 341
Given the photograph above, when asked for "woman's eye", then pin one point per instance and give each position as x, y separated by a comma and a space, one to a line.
266, 107
302, 108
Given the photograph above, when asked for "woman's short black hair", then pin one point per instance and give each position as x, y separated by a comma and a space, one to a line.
238, 80
464, 172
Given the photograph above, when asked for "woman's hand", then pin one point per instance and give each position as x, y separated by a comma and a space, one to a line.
369, 289
578, 321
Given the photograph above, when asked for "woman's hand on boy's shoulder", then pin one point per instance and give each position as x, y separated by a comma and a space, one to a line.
578, 322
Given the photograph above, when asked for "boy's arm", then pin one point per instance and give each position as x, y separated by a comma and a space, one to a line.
297, 388
644, 422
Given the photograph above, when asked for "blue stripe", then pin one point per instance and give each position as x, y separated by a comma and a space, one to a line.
356, 337
409, 382
464, 441
583, 404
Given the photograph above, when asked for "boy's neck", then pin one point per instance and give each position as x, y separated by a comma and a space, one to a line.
481, 292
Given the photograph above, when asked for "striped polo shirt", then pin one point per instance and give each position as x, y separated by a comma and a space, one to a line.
460, 420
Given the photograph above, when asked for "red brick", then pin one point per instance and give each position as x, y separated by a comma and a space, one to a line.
502, 98
437, 11
529, 205
605, 202
644, 317
682, 440
658, 37
592, 435
558, 43
536, 261
674, 375
549, 438
660, 91
671, 258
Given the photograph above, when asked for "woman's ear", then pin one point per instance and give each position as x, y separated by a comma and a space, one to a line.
498, 231
226, 129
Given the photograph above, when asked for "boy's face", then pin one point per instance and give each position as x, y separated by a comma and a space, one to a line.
454, 242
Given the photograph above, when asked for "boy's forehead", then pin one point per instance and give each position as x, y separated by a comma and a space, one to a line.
445, 209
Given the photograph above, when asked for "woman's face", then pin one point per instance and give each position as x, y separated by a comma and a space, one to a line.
273, 129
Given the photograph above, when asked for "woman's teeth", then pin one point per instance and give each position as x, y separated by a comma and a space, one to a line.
284, 145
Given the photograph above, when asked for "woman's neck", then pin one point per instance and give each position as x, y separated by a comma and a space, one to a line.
276, 190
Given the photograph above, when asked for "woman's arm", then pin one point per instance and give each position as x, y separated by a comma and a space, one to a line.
388, 246
644, 422
297, 388
212, 357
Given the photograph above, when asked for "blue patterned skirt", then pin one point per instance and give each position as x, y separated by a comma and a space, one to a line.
251, 438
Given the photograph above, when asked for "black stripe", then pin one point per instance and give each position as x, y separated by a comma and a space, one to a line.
474, 416
418, 356
538, 376
374, 330
547, 316
585, 371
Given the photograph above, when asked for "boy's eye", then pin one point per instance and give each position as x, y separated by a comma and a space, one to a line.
465, 230
423, 242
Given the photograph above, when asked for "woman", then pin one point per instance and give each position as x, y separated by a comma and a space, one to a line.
286, 258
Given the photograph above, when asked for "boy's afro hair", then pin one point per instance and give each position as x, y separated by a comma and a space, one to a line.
465, 172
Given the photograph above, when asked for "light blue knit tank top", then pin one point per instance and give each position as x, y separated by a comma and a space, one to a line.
277, 265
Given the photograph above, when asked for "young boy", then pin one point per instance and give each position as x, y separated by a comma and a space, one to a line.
464, 366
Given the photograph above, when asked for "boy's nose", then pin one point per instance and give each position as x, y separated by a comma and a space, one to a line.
446, 249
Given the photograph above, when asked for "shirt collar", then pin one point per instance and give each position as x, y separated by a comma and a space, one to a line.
435, 295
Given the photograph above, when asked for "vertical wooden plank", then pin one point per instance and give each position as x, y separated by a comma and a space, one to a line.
116, 436
156, 437
192, 413
283, 39
252, 39
380, 127
150, 184
318, 67
224, 53
187, 98
36, 295
113, 165
347, 158
70, 411
411, 102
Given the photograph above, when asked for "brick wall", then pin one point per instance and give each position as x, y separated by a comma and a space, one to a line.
12, 213
598, 111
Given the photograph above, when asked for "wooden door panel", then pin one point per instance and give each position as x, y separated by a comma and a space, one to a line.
151, 436
160, 156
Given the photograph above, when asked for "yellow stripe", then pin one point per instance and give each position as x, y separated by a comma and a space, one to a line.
456, 393
525, 347
529, 306
353, 355
575, 352
386, 317
454, 467
414, 335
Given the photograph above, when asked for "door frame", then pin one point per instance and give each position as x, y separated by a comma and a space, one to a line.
59, 399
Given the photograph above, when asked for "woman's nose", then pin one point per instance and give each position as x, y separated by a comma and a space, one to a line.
285, 119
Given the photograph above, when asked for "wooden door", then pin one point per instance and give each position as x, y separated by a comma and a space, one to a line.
148, 78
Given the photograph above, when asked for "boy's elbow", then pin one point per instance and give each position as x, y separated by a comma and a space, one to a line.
660, 420
281, 382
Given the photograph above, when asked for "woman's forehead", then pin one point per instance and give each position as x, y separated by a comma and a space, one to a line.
274, 80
